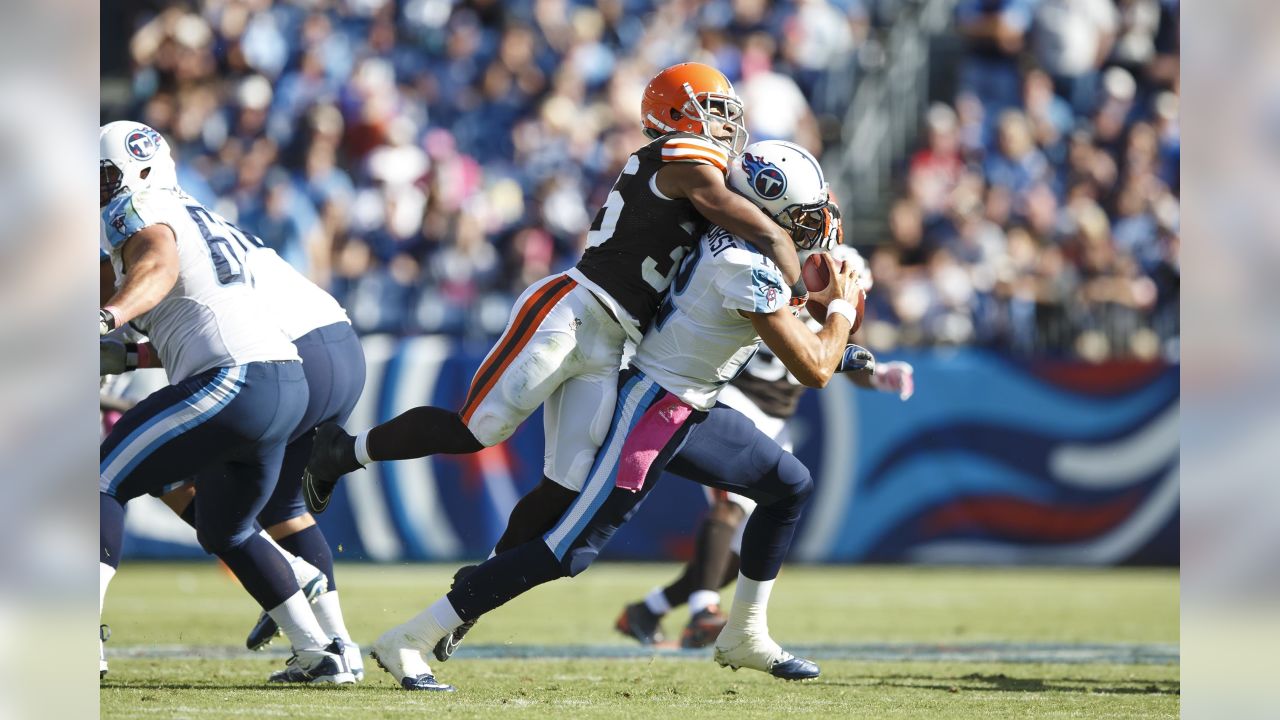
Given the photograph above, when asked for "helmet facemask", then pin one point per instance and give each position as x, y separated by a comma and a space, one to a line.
711, 109
810, 225
110, 181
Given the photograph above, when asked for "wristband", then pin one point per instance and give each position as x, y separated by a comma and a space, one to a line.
108, 319
842, 307
799, 292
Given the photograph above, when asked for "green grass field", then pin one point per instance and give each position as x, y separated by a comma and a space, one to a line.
194, 614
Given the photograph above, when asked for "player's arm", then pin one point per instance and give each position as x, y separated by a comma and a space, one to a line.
812, 357
704, 186
151, 270
106, 281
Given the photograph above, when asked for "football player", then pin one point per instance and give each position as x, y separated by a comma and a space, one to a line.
726, 299
767, 394
237, 392
563, 345
333, 363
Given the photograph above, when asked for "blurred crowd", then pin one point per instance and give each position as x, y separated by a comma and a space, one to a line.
1042, 214
426, 160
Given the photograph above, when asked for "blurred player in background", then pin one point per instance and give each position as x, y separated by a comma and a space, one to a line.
563, 345
767, 394
237, 392
725, 299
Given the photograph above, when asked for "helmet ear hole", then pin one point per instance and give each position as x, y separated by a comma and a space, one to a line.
676, 115
145, 172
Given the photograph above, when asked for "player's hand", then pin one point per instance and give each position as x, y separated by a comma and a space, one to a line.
834, 236
112, 357
895, 376
843, 284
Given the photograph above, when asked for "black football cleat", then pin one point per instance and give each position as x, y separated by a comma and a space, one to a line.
332, 456
639, 622
797, 668
703, 628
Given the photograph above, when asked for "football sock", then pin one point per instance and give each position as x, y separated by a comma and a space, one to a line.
288, 556
751, 604
503, 577
536, 513
701, 600
311, 545
730, 571
711, 553
299, 624
428, 626
656, 601
263, 572
110, 530
105, 573
328, 613
678, 592
420, 432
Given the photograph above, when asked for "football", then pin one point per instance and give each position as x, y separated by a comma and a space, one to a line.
816, 278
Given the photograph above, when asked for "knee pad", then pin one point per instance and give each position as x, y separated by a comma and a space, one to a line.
577, 560
216, 541
795, 481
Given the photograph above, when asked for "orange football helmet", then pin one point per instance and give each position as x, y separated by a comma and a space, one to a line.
691, 97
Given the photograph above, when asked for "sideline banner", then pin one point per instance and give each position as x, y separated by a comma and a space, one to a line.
993, 460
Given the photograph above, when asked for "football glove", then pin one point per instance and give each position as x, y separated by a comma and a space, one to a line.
895, 376
857, 358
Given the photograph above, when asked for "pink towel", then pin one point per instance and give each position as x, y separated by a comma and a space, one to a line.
649, 436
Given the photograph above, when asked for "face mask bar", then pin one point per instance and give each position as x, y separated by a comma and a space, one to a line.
110, 180
810, 225
708, 108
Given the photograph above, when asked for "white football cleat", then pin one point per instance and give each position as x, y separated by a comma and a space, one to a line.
327, 665
739, 648
400, 655
355, 660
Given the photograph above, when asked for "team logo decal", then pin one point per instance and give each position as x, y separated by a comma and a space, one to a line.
142, 143
771, 295
766, 179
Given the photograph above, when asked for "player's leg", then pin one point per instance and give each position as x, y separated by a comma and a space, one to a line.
568, 549
728, 452
520, 371
171, 428
181, 499
697, 584
230, 502
576, 417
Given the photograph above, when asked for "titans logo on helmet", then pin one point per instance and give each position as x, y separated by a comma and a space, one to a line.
142, 143
767, 180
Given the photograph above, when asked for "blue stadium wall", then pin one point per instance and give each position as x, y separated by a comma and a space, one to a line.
992, 461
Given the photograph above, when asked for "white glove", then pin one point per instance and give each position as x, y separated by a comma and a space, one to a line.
111, 357
895, 376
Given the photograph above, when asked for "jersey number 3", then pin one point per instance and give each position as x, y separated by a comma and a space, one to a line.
606, 221
227, 244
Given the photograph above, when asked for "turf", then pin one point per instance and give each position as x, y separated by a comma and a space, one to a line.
198, 605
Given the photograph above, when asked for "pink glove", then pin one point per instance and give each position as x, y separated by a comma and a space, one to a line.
895, 376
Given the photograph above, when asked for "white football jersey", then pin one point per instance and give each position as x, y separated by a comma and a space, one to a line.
213, 316
699, 340
297, 304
